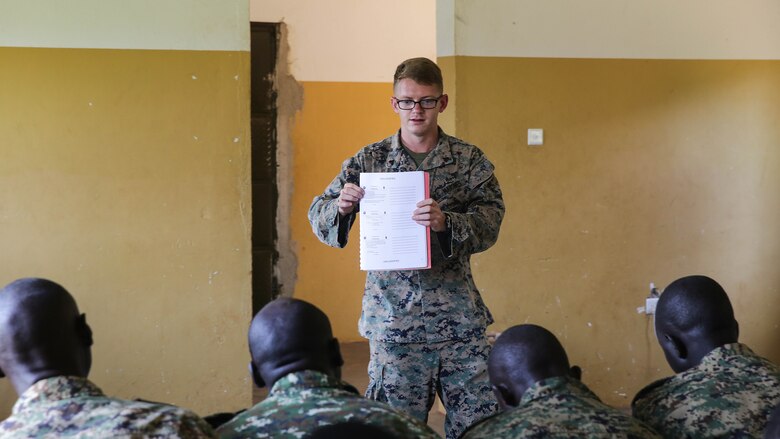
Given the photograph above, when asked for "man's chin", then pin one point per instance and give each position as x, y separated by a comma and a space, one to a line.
418, 129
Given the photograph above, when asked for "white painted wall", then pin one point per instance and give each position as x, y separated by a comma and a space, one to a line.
351, 40
663, 29
120, 24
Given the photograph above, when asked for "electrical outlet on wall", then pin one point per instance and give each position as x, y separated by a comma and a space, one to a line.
651, 301
650, 304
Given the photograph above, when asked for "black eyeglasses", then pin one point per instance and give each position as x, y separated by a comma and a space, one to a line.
426, 103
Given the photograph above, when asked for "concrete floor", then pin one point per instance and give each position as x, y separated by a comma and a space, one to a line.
355, 372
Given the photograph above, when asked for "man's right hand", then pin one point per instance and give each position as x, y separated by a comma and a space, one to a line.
349, 197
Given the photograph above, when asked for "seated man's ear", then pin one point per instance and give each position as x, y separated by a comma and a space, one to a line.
83, 330
506, 399
675, 345
575, 372
675, 351
256, 375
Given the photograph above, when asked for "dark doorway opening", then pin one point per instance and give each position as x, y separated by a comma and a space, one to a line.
264, 49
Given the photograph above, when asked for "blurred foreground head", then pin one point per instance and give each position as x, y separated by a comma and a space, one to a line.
290, 335
522, 356
42, 333
694, 316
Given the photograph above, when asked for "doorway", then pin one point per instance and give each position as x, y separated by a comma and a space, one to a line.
264, 39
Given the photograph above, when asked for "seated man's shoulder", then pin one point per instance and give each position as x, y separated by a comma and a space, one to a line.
102, 416
497, 425
570, 409
285, 416
756, 367
154, 418
727, 395
651, 391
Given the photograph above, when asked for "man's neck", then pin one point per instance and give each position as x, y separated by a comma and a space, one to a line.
420, 144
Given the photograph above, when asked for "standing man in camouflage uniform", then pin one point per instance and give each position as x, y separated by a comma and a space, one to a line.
426, 328
45, 350
295, 354
722, 389
543, 397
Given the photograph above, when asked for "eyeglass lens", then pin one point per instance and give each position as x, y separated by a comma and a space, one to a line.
408, 104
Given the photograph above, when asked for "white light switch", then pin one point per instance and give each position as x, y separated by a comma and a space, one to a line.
535, 136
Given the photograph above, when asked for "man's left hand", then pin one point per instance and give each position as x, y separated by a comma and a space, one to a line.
428, 213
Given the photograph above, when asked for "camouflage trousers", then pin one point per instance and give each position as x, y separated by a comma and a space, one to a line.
408, 375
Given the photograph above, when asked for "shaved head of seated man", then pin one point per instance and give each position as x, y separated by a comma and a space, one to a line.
295, 354
542, 396
722, 389
45, 351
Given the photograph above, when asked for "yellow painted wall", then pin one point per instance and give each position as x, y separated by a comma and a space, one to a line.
338, 119
651, 170
124, 175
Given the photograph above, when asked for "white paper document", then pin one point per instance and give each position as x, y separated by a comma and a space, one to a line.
389, 238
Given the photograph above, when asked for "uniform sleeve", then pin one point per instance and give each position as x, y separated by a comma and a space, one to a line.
326, 223
476, 229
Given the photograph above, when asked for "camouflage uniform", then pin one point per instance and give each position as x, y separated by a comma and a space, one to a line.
302, 401
463, 379
731, 393
560, 407
435, 309
68, 406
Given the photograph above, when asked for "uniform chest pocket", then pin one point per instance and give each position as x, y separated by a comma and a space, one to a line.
451, 193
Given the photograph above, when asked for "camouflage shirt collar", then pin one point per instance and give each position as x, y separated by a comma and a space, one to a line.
439, 156
308, 379
718, 354
555, 386
56, 389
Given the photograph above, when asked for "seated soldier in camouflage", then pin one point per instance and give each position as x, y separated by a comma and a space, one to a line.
542, 397
294, 353
45, 350
722, 389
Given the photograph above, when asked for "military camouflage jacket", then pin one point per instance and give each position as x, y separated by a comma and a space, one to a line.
441, 303
560, 407
731, 393
67, 406
302, 401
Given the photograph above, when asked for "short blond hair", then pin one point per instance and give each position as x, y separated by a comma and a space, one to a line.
420, 70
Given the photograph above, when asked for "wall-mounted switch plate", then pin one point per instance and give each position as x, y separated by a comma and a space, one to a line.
535, 136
